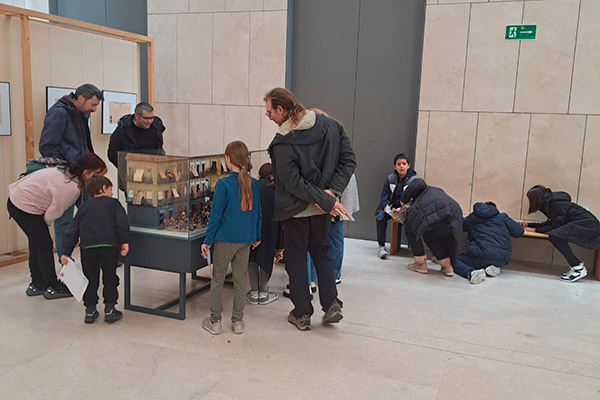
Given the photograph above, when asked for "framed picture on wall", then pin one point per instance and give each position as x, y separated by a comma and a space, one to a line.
5, 109
114, 106
54, 93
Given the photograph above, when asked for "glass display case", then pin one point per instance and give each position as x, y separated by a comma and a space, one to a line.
172, 195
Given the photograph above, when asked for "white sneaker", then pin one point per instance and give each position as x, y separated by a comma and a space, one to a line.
575, 276
572, 270
477, 276
382, 252
492, 270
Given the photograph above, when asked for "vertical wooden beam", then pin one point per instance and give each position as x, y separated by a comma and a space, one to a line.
151, 72
27, 86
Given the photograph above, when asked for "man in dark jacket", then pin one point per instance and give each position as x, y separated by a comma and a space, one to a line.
312, 163
66, 136
141, 130
488, 242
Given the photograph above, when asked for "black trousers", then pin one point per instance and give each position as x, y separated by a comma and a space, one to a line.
302, 235
564, 249
93, 260
382, 228
438, 238
41, 259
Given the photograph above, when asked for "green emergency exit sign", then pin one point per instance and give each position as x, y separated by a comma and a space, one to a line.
518, 32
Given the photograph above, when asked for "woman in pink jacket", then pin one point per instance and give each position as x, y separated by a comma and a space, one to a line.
34, 202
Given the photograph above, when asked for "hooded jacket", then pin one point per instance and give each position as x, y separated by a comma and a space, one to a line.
123, 138
66, 134
392, 189
489, 233
314, 156
568, 221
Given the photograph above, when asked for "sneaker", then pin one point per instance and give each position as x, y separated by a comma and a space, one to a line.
252, 297
575, 276
382, 252
575, 269
492, 270
313, 287
212, 327
113, 315
477, 275
302, 323
338, 281
267, 297
333, 314
91, 316
238, 327
58, 292
33, 290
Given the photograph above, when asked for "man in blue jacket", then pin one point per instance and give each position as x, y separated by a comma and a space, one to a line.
488, 242
66, 136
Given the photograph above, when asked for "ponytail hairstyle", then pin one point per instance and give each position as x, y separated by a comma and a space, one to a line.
266, 172
240, 157
294, 111
90, 162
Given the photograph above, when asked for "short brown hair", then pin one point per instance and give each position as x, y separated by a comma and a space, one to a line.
95, 185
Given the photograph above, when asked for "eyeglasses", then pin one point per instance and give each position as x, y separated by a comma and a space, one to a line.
268, 113
146, 118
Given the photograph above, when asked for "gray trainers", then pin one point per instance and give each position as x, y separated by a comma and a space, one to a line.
238, 327
382, 252
267, 297
212, 327
302, 323
477, 276
252, 297
492, 270
333, 314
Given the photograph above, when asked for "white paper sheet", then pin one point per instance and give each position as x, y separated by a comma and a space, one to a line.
72, 275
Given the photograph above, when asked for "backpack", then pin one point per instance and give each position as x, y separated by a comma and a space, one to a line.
41, 162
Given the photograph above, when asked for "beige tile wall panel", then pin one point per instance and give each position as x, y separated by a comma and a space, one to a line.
66, 66
118, 64
231, 44
554, 155
491, 61
500, 160
242, 123
589, 184
267, 130
585, 92
421, 147
545, 64
461, 1
450, 150
94, 59
267, 53
168, 6
431, 1
176, 120
163, 28
207, 6
206, 129
40, 76
444, 50
243, 5
275, 5
195, 58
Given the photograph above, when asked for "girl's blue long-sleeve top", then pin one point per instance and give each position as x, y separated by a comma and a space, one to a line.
228, 223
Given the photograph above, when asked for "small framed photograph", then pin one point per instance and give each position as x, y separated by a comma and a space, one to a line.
54, 93
115, 106
5, 109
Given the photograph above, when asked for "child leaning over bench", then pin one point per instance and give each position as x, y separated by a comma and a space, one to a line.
567, 222
102, 225
488, 242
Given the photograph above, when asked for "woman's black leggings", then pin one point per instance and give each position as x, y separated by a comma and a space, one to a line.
564, 249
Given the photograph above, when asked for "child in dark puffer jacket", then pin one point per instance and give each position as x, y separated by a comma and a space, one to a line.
488, 242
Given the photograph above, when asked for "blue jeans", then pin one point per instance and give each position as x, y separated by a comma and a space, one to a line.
336, 252
466, 264
62, 223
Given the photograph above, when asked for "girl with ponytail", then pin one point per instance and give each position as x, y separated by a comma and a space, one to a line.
234, 226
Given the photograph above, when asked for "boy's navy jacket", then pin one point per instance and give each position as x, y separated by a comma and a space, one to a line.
568, 221
489, 233
100, 221
389, 196
228, 223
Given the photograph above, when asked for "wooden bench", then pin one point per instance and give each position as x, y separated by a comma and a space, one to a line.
395, 238
595, 272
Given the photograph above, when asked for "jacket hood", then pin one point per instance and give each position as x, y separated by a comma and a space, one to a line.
127, 120
310, 130
483, 210
414, 190
560, 196
67, 100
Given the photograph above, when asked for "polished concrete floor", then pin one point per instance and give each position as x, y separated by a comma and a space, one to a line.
521, 335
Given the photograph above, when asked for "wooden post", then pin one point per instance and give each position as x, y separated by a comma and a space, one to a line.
27, 87
151, 72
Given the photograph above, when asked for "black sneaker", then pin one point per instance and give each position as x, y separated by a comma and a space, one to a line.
91, 316
59, 291
333, 314
33, 290
302, 323
112, 316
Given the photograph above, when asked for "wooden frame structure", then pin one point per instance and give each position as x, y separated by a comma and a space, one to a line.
25, 16
29, 15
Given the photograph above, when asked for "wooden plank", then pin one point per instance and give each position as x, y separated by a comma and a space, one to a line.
17, 257
535, 235
27, 87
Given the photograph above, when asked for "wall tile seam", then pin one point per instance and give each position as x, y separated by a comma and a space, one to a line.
574, 56
249, 53
177, 60
581, 159
514, 104
522, 214
212, 104
508, 112
473, 164
217, 12
212, 59
426, 145
462, 100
